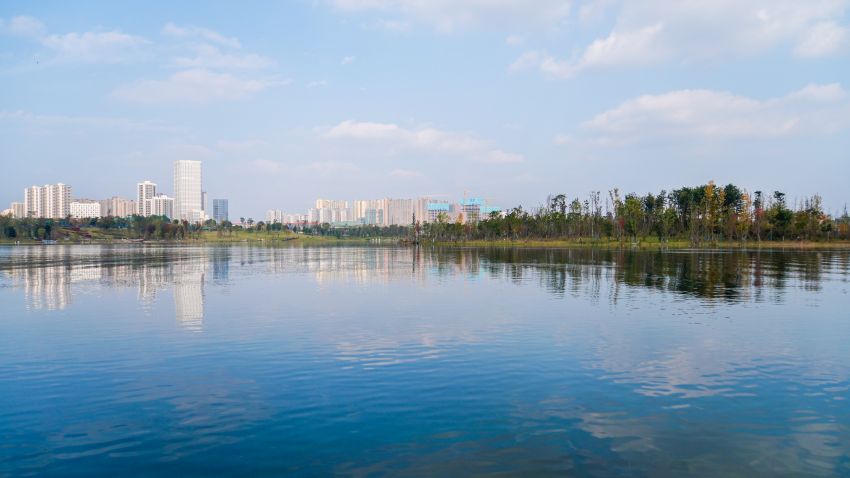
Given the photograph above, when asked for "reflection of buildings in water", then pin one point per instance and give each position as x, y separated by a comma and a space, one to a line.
49, 287
221, 264
45, 288
152, 279
48, 274
189, 299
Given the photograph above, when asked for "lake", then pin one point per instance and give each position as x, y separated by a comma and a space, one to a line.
369, 361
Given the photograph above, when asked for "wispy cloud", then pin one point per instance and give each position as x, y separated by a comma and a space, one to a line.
172, 30
425, 138
453, 15
23, 26
656, 31
209, 56
709, 114
194, 86
88, 123
347, 60
100, 46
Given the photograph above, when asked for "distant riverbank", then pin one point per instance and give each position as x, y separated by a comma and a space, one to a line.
291, 239
647, 244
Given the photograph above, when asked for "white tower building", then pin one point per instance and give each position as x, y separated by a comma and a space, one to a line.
144, 191
188, 201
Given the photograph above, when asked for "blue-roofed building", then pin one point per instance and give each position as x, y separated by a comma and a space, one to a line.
434, 209
471, 209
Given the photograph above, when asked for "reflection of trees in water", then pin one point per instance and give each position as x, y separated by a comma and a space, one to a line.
726, 276
732, 276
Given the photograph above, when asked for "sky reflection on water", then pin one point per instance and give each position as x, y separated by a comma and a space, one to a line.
359, 361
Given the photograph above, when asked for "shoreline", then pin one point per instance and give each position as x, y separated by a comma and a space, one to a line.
291, 240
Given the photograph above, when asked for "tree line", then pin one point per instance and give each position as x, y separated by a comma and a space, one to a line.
131, 227
701, 214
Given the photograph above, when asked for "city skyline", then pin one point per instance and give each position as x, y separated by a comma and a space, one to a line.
407, 99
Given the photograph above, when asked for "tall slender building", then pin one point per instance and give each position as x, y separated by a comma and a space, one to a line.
188, 204
34, 204
144, 191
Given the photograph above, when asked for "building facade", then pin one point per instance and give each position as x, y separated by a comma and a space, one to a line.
85, 209
188, 200
400, 212
48, 201
220, 210
144, 191
118, 207
18, 210
471, 209
161, 205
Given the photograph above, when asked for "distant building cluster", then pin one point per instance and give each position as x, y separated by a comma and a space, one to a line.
189, 203
384, 212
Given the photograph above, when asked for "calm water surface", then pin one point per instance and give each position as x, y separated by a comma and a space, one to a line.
192, 361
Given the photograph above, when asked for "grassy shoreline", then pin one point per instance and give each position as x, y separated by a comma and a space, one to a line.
647, 245
290, 239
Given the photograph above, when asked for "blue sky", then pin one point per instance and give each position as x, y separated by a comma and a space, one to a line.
506, 99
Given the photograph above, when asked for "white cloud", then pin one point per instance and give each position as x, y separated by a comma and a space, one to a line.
111, 46
426, 138
654, 31
85, 123
830, 92
823, 39
209, 56
452, 15
514, 40
193, 86
23, 26
364, 130
347, 60
317, 83
562, 139
405, 173
175, 31
817, 109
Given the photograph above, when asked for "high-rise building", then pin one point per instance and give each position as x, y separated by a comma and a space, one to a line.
274, 216
187, 191
369, 211
85, 209
144, 191
161, 205
400, 212
471, 209
331, 204
435, 210
220, 213
313, 215
48, 201
205, 206
18, 210
33, 203
118, 207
